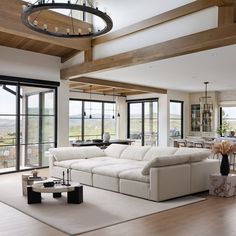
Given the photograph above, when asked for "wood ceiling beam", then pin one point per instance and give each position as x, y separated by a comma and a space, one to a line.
10, 12
100, 88
209, 39
69, 55
162, 18
115, 84
78, 85
225, 15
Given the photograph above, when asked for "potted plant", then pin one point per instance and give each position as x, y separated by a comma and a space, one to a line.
224, 148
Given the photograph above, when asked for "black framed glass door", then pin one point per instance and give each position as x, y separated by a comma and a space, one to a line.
27, 123
143, 122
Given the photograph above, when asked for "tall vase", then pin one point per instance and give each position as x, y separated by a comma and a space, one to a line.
224, 165
106, 137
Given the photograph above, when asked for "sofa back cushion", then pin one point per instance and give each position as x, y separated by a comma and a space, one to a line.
115, 150
196, 154
158, 152
70, 153
165, 161
134, 152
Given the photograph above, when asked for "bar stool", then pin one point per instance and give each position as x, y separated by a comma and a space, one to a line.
198, 144
181, 142
189, 143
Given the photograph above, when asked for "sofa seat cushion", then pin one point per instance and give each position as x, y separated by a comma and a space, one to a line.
135, 175
69, 153
134, 152
196, 154
154, 152
87, 165
66, 164
116, 169
165, 161
115, 150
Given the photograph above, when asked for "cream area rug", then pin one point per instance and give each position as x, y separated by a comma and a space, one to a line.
100, 208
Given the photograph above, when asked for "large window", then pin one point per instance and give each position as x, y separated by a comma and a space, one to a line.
176, 120
90, 119
27, 124
228, 120
143, 122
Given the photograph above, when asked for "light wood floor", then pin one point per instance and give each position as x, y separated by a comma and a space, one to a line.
213, 217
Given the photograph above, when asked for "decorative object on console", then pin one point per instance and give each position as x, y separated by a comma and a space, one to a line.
106, 137
34, 17
224, 148
35, 173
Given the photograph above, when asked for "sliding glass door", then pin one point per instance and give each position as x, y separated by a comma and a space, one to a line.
38, 126
143, 122
8, 118
27, 125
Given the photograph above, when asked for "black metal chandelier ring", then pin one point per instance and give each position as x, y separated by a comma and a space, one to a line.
28, 10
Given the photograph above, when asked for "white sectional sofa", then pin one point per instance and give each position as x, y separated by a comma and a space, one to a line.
154, 173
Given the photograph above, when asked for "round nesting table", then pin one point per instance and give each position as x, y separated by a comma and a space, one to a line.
74, 192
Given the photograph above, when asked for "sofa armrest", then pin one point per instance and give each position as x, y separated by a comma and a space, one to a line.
169, 182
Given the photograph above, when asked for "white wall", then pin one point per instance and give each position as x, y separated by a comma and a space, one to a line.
20, 63
121, 122
63, 114
127, 12
190, 24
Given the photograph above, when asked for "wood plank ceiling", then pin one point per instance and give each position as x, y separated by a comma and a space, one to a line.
15, 35
107, 87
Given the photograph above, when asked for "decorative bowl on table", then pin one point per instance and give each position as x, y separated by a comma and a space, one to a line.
48, 184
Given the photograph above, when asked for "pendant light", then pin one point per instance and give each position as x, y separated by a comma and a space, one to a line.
113, 116
206, 105
90, 97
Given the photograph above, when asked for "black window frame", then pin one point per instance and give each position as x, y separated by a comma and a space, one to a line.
83, 117
182, 116
142, 101
18, 82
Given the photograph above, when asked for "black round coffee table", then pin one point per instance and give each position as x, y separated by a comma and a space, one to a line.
74, 192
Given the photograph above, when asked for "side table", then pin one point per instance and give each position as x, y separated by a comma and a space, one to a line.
27, 181
223, 186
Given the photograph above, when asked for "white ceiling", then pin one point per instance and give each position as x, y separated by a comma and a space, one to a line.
185, 73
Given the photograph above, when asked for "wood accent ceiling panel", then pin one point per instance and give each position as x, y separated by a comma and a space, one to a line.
10, 11
13, 41
107, 86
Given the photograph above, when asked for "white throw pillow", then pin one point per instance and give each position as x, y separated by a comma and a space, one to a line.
154, 152
165, 161
200, 156
134, 152
70, 153
115, 150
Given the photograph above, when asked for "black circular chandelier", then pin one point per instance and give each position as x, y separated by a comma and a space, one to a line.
31, 14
